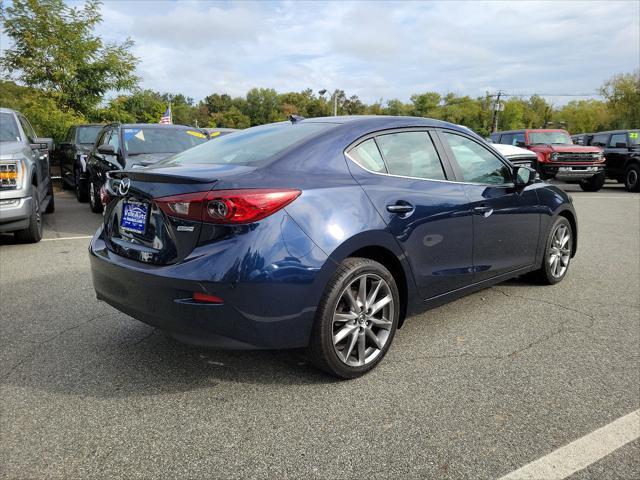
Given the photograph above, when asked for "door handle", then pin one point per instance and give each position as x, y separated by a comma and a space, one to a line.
400, 208
483, 210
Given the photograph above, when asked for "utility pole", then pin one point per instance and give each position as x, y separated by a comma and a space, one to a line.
335, 103
496, 109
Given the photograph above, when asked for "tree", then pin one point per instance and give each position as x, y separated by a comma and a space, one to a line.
232, 118
622, 93
581, 116
263, 106
56, 50
424, 104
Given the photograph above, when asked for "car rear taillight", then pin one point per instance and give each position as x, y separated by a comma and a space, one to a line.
105, 197
227, 206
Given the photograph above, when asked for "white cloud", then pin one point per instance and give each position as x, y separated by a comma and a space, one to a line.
377, 49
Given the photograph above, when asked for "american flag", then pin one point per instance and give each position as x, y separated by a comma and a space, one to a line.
166, 117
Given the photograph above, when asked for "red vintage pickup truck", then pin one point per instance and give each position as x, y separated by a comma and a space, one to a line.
558, 157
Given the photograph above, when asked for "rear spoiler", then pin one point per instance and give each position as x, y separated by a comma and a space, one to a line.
157, 177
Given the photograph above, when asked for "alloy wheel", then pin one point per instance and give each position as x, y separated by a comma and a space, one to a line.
560, 251
362, 320
92, 195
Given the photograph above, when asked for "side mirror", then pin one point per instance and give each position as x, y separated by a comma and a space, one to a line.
106, 149
41, 143
621, 145
523, 176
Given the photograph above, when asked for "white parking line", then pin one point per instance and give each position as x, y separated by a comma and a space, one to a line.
66, 238
583, 452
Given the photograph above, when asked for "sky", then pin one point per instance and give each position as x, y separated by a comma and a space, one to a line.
378, 50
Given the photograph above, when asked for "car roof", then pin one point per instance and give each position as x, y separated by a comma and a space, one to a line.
8, 110
615, 131
154, 125
512, 150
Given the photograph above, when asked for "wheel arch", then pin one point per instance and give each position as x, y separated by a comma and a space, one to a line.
381, 247
571, 217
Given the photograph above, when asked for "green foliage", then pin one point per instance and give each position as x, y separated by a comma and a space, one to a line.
584, 116
47, 118
622, 93
263, 106
55, 50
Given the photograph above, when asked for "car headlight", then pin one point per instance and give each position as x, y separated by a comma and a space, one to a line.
554, 156
11, 174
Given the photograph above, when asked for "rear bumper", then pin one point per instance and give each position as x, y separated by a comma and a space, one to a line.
571, 171
272, 311
15, 213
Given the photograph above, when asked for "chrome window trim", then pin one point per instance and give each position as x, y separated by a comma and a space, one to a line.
426, 179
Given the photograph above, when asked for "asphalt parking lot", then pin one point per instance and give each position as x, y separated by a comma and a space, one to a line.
473, 389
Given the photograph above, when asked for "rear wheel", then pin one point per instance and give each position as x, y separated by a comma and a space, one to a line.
557, 254
592, 184
33, 233
356, 319
94, 198
80, 186
632, 178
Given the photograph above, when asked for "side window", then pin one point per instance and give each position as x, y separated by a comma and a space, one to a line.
495, 137
518, 138
368, 156
507, 139
411, 154
114, 139
103, 137
26, 126
599, 140
478, 165
618, 138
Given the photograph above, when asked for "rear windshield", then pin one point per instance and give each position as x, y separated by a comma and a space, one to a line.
141, 140
8, 128
249, 147
88, 135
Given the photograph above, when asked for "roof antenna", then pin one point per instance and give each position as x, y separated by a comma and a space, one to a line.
295, 118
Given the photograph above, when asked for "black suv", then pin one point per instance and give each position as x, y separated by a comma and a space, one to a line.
72, 154
622, 153
128, 146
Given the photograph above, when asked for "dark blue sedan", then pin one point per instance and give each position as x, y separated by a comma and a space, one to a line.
323, 233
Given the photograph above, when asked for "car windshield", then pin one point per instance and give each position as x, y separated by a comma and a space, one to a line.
549, 138
87, 135
249, 147
8, 128
141, 140
633, 138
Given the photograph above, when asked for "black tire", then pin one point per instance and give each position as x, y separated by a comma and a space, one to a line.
544, 275
51, 206
632, 178
82, 194
33, 233
94, 198
322, 352
592, 184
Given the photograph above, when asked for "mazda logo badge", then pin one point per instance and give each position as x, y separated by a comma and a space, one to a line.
123, 188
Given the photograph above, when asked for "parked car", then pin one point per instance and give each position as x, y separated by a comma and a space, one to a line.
517, 156
218, 132
26, 190
558, 157
582, 138
622, 151
72, 154
323, 233
130, 146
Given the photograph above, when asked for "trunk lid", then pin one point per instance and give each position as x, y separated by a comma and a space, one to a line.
136, 228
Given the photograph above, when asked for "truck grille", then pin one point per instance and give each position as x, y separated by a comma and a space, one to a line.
575, 157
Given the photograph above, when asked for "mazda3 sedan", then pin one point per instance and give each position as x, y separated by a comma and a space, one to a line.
323, 233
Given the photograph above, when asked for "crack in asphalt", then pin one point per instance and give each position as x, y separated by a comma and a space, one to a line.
528, 346
49, 339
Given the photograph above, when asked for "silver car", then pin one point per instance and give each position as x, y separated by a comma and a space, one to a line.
25, 181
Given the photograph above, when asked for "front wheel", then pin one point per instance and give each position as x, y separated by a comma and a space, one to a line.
356, 319
94, 198
33, 233
557, 254
632, 178
592, 184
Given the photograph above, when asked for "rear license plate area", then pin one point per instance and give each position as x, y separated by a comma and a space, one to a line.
134, 217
